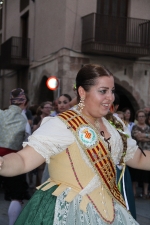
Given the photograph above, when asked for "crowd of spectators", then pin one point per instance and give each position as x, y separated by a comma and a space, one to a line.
139, 128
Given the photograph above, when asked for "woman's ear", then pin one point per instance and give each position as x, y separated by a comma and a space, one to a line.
81, 92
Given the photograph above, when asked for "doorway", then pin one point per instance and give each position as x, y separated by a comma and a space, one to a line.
126, 100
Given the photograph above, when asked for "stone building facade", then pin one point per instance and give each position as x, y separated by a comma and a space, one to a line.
63, 35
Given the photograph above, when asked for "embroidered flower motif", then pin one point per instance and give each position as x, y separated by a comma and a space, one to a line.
87, 133
87, 136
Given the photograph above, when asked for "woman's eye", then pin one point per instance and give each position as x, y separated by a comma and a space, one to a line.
105, 91
102, 91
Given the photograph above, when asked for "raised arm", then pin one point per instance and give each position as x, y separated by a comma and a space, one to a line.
21, 162
73, 102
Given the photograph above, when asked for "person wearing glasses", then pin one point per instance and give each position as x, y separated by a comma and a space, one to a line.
141, 133
43, 110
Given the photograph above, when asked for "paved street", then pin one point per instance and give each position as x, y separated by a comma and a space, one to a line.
4, 208
142, 208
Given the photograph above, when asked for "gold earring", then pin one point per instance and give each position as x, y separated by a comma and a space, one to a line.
81, 104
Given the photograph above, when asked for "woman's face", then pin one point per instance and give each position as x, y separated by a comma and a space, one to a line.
141, 118
99, 98
121, 116
46, 109
63, 104
127, 114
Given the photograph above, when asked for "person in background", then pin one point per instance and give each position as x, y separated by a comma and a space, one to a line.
54, 111
147, 121
64, 102
146, 110
141, 133
28, 116
42, 112
33, 109
120, 115
32, 174
12, 126
28, 112
115, 104
127, 117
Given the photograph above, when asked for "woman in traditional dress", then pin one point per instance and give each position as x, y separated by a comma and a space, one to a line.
82, 150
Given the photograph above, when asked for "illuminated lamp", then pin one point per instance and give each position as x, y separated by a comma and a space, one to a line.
1, 3
52, 83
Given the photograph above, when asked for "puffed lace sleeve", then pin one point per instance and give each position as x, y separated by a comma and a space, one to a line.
131, 145
51, 138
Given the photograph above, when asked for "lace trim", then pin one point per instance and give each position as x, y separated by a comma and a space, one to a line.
69, 213
132, 151
115, 142
94, 183
61, 212
44, 147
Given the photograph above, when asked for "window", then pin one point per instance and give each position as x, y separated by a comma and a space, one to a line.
111, 21
112, 7
23, 4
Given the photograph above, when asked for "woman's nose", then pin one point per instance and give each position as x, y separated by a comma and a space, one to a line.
110, 96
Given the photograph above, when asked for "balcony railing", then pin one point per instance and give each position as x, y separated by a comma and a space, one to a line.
110, 35
14, 53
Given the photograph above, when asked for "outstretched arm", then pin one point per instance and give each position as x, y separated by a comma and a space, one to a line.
21, 162
140, 161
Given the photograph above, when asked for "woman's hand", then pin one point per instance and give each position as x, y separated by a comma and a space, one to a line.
140, 136
1, 162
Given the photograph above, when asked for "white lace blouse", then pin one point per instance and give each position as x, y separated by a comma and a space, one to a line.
53, 137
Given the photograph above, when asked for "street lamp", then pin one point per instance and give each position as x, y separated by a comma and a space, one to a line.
1, 3
53, 83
